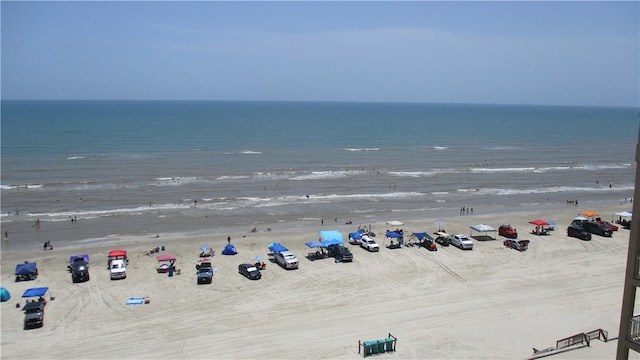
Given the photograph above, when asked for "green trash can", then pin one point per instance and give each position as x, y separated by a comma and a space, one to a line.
389, 344
368, 347
381, 346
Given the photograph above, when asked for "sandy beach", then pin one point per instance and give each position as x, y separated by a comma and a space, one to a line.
490, 302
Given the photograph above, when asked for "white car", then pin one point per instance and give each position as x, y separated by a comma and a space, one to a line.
368, 243
286, 259
118, 269
461, 241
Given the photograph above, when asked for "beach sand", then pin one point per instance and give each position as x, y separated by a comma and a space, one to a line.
487, 303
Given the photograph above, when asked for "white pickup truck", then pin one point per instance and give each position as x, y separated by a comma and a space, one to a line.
461, 241
368, 243
286, 259
118, 269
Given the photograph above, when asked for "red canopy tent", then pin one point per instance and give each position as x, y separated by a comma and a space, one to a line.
538, 222
117, 253
166, 257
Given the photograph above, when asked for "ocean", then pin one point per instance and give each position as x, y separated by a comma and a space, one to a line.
150, 167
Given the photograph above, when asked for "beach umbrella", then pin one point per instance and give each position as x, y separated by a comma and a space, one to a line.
588, 213
538, 222
257, 258
204, 248
4, 295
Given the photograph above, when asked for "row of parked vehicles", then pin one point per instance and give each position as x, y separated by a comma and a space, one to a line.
582, 229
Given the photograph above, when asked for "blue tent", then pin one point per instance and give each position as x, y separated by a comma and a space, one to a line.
40, 291
4, 295
423, 235
356, 235
26, 269
229, 250
393, 234
315, 244
277, 247
331, 235
332, 242
83, 256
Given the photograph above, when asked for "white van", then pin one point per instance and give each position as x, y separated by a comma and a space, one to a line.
118, 269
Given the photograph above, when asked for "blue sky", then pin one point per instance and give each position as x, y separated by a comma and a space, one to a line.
558, 53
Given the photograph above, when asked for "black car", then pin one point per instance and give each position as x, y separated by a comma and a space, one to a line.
340, 253
205, 273
250, 271
598, 229
577, 231
79, 270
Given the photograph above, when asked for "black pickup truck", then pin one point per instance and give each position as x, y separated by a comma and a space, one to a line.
340, 253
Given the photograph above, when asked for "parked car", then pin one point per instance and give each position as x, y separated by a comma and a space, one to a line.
443, 238
205, 273
577, 231
118, 269
368, 243
598, 229
33, 314
609, 225
507, 231
286, 259
250, 271
340, 253
461, 241
79, 270
520, 245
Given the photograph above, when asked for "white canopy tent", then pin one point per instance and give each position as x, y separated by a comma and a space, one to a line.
483, 228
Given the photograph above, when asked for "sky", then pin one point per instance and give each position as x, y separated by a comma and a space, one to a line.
503, 52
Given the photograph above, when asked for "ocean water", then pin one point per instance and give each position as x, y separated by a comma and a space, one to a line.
148, 167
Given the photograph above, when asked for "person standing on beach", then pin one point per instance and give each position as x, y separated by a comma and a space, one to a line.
228, 239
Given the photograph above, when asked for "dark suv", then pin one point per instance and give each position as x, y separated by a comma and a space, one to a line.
576, 231
33, 314
339, 252
79, 270
205, 273
598, 229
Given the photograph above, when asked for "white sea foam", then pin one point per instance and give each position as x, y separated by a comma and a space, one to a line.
440, 147
76, 157
362, 149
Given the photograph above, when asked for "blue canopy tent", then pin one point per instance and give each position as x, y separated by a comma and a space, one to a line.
393, 235
26, 271
229, 249
277, 247
423, 235
315, 244
331, 237
83, 256
356, 235
35, 292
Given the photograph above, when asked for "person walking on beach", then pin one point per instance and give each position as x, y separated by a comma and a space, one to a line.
228, 239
